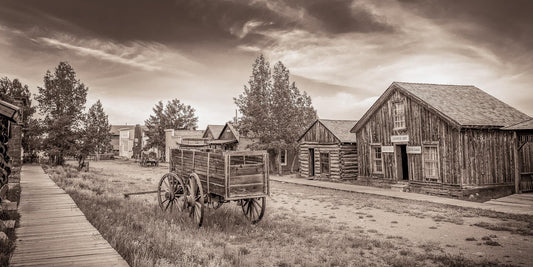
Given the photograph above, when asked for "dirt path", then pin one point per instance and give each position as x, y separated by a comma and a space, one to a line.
420, 226
424, 229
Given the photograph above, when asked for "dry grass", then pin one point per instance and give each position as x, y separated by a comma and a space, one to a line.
145, 236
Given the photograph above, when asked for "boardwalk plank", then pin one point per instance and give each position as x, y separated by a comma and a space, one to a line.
53, 231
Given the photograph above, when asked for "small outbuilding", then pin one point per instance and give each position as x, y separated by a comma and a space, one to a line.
329, 150
439, 139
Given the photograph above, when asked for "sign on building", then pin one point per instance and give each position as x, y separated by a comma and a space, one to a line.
399, 138
414, 150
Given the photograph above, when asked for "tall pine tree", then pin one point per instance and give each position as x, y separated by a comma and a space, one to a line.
274, 110
61, 102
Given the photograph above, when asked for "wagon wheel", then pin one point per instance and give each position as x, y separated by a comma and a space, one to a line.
195, 199
170, 191
254, 208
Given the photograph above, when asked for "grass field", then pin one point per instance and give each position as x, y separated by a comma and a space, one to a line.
145, 236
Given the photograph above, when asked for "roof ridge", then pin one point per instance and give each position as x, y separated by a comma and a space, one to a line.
440, 84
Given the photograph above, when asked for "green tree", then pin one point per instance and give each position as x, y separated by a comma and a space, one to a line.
12, 91
97, 130
61, 102
274, 110
173, 115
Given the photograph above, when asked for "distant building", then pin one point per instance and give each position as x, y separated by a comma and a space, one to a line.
183, 138
127, 140
115, 137
213, 131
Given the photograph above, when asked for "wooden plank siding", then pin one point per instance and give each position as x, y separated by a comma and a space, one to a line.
342, 157
467, 157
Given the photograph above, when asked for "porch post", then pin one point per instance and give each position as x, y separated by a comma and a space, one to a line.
516, 164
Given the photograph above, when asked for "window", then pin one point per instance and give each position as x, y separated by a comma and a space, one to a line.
430, 159
377, 159
283, 157
324, 163
398, 114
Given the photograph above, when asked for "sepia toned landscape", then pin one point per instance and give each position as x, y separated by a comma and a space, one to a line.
266, 133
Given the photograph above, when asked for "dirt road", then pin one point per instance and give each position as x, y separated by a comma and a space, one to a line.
417, 225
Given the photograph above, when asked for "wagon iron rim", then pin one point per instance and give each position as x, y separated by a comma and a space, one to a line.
254, 209
170, 191
195, 199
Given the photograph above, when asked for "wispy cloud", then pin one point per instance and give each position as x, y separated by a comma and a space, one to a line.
138, 61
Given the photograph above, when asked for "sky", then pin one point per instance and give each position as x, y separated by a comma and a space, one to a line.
344, 54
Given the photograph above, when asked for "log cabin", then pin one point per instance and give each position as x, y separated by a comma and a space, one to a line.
439, 139
328, 150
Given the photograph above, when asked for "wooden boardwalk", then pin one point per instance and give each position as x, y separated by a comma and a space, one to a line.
53, 231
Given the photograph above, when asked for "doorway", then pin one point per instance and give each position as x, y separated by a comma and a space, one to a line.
311, 162
402, 163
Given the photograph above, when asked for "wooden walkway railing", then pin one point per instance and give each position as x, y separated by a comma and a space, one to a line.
53, 231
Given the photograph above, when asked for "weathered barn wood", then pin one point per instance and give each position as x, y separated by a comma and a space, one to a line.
328, 150
523, 141
438, 138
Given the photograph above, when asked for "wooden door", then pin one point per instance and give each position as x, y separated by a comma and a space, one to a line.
311, 162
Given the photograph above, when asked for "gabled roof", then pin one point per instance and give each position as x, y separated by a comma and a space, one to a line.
232, 129
339, 128
214, 129
525, 125
463, 106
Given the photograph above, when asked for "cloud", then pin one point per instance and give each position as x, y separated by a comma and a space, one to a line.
138, 61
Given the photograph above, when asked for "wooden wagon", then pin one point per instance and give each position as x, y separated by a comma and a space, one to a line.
197, 178
148, 159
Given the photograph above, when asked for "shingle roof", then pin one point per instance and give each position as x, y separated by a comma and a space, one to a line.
525, 125
232, 129
461, 105
215, 129
341, 129
465, 104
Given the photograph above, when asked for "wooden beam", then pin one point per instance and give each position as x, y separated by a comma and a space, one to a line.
516, 164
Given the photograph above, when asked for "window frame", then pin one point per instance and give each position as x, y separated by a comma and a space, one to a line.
395, 116
373, 158
436, 162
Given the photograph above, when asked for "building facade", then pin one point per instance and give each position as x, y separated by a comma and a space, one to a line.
328, 150
440, 139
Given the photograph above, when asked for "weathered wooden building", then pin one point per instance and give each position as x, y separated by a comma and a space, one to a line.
523, 133
441, 139
328, 150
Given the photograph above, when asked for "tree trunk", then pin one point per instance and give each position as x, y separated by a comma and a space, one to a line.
97, 154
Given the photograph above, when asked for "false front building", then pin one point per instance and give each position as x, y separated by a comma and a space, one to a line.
440, 139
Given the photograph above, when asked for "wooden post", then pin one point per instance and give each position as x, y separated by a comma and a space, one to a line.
516, 164
207, 178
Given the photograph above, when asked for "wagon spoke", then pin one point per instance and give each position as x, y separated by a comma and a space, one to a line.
166, 207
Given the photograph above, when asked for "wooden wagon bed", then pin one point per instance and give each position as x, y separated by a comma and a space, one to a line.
229, 175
